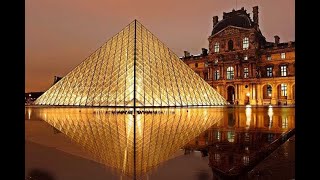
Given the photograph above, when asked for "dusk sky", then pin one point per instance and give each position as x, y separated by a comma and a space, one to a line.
62, 33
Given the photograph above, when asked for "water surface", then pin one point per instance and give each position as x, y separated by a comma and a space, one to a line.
176, 143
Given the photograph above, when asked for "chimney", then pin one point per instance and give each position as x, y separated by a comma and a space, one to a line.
186, 54
215, 20
204, 51
255, 15
276, 40
56, 79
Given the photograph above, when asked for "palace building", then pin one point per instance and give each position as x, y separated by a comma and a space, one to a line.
242, 66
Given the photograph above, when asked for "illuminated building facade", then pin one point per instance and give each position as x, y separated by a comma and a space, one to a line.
133, 69
242, 66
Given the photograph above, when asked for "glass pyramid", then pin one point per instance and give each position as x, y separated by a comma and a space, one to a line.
108, 135
133, 69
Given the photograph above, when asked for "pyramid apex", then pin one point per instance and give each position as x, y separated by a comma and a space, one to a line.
135, 21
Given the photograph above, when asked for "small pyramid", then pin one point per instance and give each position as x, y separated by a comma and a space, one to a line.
132, 69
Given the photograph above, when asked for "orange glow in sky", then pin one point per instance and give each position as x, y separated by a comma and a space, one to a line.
62, 33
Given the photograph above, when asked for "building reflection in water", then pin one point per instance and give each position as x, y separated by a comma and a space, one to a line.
108, 134
270, 114
29, 113
248, 116
235, 141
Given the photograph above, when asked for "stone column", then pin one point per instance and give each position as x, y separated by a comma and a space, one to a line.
289, 93
274, 96
259, 94
241, 95
236, 98
253, 97
235, 72
293, 94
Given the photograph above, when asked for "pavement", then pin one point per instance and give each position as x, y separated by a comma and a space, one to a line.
278, 165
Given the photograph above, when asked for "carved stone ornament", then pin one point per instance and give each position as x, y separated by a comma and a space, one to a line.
230, 31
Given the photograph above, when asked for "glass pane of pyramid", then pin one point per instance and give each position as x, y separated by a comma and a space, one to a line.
133, 68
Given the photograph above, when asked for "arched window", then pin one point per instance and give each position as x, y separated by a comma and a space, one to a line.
245, 43
230, 72
283, 89
269, 90
216, 47
230, 45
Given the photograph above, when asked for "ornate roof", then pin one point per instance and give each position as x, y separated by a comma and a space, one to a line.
239, 18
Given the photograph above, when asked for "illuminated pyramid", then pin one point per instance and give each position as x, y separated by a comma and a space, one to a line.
132, 69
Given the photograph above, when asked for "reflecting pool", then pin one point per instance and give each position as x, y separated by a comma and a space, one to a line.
170, 143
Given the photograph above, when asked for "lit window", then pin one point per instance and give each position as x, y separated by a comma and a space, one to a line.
270, 137
216, 75
269, 90
283, 70
216, 61
269, 71
216, 47
245, 57
245, 72
283, 89
218, 135
269, 58
246, 160
231, 136
283, 55
246, 137
245, 44
230, 73
284, 122
196, 64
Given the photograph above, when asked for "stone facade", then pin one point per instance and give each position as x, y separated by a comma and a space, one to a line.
243, 66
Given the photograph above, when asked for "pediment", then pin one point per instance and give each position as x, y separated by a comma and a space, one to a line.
231, 30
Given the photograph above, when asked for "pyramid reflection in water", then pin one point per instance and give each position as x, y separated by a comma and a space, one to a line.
108, 134
133, 68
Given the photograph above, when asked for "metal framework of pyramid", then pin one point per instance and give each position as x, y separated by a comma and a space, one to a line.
132, 69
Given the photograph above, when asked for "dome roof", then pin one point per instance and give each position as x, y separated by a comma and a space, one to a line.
236, 18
